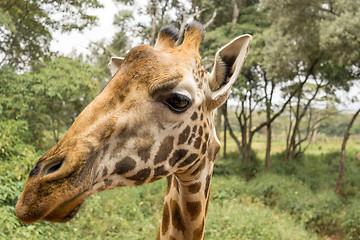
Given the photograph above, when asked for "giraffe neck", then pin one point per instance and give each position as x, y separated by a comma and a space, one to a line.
186, 204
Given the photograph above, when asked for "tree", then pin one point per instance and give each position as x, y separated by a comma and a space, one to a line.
305, 43
343, 153
26, 27
49, 98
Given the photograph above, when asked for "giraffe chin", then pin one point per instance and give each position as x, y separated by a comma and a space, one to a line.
66, 211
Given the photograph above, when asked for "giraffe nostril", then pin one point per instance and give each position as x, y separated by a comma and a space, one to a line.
55, 167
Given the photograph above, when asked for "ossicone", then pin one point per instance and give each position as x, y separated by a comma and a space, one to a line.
167, 37
194, 35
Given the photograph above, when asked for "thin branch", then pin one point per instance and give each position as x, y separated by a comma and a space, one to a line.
232, 134
313, 127
318, 86
329, 11
183, 23
308, 130
211, 19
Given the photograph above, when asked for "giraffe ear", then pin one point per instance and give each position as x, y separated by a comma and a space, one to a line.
114, 64
228, 62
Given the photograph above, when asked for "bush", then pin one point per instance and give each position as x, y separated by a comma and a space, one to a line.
251, 221
10, 190
234, 165
318, 211
11, 133
321, 212
271, 189
351, 220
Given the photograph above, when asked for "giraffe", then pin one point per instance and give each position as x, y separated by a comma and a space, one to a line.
154, 119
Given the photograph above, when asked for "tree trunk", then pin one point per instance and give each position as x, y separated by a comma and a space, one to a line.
154, 17
294, 147
246, 154
343, 154
315, 134
293, 135
268, 146
236, 10
288, 132
226, 121
268, 100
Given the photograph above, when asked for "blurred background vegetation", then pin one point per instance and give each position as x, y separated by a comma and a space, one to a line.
290, 161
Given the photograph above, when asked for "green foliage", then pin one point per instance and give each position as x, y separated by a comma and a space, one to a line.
316, 37
337, 124
13, 172
48, 98
249, 222
234, 215
279, 204
272, 189
320, 171
321, 211
10, 189
351, 220
16, 157
14, 94
318, 211
251, 22
11, 132
27, 26
232, 165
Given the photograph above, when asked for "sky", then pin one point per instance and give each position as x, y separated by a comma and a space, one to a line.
66, 42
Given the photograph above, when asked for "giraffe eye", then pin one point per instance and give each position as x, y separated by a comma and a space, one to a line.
177, 103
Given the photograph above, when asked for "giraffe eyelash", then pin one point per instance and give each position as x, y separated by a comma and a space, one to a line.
178, 103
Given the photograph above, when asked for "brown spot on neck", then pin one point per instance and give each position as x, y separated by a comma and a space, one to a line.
194, 188
141, 176
124, 166
165, 219
164, 149
177, 219
184, 135
177, 156
194, 116
194, 209
191, 158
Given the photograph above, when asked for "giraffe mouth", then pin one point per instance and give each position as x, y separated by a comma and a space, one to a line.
63, 212
66, 211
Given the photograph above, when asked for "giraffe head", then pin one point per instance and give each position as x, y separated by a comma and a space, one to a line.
153, 119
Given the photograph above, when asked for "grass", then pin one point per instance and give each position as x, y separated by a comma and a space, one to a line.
135, 212
325, 144
296, 201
